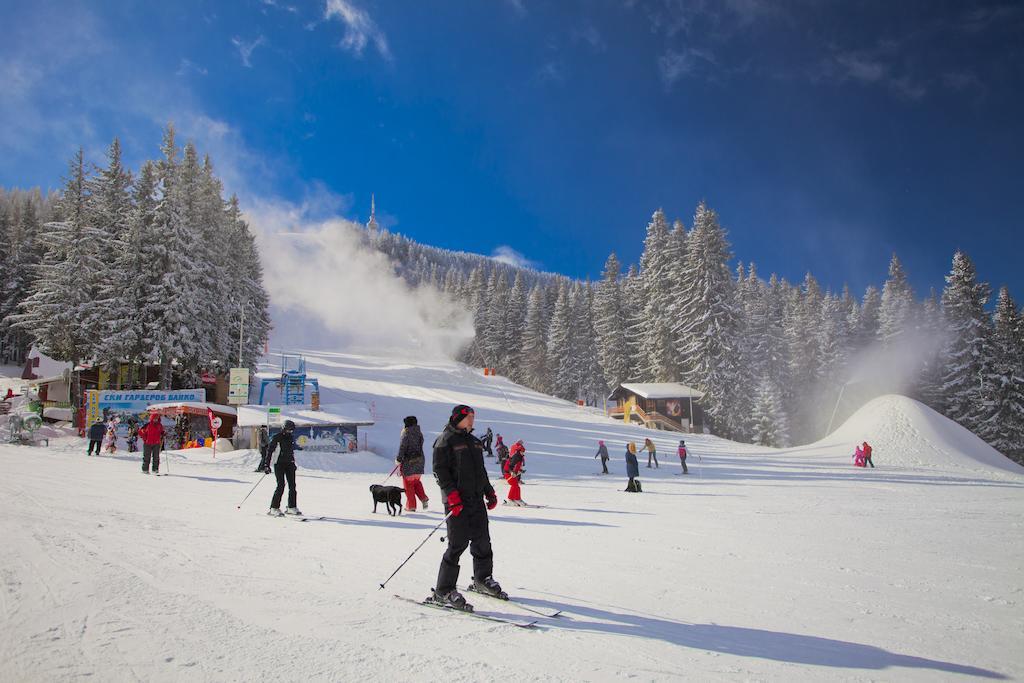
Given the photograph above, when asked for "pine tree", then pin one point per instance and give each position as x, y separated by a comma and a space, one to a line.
535, 367
515, 322
656, 270
560, 356
706, 331
609, 325
770, 426
634, 325
60, 313
929, 385
896, 313
1002, 420
966, 351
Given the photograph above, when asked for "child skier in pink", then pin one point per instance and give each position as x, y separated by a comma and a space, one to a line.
858, 457
513, 470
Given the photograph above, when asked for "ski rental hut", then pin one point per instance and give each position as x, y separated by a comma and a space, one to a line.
658, 405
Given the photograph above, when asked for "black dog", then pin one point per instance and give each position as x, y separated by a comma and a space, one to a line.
390, 495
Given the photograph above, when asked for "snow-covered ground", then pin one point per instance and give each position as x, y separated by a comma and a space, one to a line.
760, 565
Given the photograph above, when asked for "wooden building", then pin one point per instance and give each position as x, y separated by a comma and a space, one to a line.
658, 405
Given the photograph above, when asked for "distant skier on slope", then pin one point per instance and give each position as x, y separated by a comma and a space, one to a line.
263, 440
632, 469
410, 461
652, 452
858, 457
682, 455
487, 441
602, 452
514, 467
866, 448
460, 473
502, 453
283, 462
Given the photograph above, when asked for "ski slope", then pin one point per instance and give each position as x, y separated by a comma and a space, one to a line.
761, 564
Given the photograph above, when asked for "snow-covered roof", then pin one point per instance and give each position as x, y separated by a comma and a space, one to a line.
43, 367
195, 406
333, 414
662, 390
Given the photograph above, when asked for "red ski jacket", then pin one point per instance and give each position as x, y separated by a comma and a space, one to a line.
153, 432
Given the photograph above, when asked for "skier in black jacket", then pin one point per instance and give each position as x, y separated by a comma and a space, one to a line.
283, 462
96, 432
459, 470
487, 441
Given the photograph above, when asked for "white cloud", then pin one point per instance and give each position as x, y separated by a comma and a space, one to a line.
187, 65
588, 33
674, 65
360, 28
245, 49
508, 255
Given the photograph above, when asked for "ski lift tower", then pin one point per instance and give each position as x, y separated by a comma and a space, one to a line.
292, 382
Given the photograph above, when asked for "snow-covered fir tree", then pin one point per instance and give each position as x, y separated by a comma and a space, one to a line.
1001, 422
609, 325
966, 352
896, 312
769, 424
706, 329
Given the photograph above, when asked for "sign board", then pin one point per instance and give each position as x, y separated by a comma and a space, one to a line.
108, 404
324, 438
238, 386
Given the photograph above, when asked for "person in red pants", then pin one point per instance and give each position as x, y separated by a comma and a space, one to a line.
514, 467
410, 460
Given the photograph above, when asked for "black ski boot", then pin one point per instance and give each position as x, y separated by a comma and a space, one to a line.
453, 599
488, 586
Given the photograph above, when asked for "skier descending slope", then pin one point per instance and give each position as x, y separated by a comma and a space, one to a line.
283, 461
459, 470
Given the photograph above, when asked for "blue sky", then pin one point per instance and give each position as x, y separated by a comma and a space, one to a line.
826, 134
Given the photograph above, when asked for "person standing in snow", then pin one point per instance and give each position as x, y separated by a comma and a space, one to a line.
486, 442
682, 456
460, 473
502, 453
632, 469
152, 434
263, 440
866, 447
410, 461
858, 457
96, 432
602, 452
283, 462
652, 452
514, 467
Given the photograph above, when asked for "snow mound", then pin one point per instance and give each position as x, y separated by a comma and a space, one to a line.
905, 432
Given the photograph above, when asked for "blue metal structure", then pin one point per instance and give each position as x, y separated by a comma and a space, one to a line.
292, 381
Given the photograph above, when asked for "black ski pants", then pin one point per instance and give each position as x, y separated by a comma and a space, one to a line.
683, 462
652, 454
94, 442
604, 465
868, 461
469, 529
282, 472
151, 454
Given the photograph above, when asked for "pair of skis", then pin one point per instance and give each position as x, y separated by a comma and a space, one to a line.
488, 616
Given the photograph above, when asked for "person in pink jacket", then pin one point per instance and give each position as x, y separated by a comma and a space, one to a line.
858, 457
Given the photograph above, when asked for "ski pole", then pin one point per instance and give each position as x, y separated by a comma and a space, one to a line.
432, 532
253, 489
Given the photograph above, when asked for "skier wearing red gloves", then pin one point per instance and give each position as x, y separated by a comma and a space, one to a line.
459, 470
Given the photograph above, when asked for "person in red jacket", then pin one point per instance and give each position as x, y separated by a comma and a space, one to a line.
152, 435
867, 454
514, 467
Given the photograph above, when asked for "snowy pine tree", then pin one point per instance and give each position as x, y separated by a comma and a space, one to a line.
609, 325
706, 330
769, 424
534, 366
1002, 420
896, 313
966, 352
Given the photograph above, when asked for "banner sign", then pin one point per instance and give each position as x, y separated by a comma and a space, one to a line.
105, 405
336, 439
238, 386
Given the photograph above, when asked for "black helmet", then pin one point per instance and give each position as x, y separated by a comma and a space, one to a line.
289, 426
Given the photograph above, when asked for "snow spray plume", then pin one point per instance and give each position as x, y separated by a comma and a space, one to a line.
883, 368
329, 289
